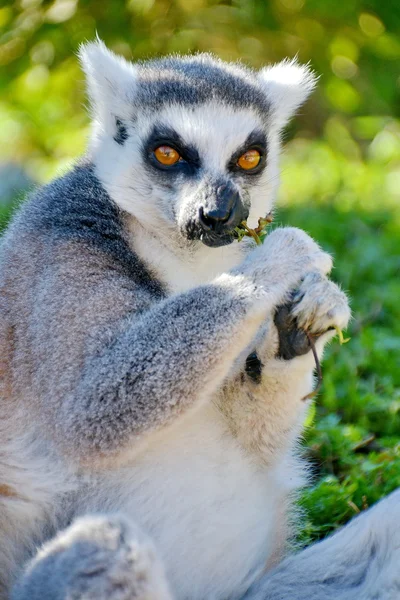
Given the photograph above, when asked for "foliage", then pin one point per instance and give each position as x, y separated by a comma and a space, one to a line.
341, 179
352, 44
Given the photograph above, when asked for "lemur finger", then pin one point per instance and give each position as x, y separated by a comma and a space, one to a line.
319, 304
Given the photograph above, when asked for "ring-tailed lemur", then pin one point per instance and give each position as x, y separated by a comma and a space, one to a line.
145, 375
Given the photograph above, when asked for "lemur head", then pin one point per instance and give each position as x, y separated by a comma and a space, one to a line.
190, 144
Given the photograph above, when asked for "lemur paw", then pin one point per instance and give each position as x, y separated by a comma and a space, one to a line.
97, 558
294, 248
284, 259
318, 307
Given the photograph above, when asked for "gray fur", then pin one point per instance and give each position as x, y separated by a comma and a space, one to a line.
121, 134
193, 80
85, 215
360, 562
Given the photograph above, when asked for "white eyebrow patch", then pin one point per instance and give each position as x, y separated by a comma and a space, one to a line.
215, 130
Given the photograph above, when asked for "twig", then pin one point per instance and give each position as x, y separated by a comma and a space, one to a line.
353, 506
251, 233
365, 442
258, 233
317, 366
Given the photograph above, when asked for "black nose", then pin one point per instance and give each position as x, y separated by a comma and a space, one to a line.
226, 214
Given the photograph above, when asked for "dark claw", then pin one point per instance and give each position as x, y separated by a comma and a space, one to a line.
292, 340
253, 367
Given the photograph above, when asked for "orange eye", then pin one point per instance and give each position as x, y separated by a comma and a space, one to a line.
166, 155
249, 160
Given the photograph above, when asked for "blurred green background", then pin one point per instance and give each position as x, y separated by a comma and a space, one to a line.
340, 171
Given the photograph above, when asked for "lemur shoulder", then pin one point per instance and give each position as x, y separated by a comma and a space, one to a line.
130, 407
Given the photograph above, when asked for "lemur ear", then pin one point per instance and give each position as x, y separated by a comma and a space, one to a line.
111, 82
287, 85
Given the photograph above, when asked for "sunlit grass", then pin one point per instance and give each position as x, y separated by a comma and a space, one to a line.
354, 442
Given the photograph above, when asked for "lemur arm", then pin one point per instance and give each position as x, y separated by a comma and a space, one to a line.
119, 362
160, 363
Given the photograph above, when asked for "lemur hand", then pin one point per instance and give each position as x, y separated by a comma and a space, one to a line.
284, 259
318, 307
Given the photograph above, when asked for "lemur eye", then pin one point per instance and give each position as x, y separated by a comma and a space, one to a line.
249, 160
166, 155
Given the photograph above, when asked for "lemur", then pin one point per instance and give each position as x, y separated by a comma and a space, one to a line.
153, 369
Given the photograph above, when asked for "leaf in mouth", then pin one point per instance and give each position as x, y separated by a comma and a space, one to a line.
258, 234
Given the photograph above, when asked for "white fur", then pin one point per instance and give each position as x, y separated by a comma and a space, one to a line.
112, 80
120, 170
111, 85
179, 270
32, 468
210, 507
287, 85
212, 511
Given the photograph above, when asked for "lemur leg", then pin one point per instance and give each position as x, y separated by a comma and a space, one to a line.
97, 558
360, 562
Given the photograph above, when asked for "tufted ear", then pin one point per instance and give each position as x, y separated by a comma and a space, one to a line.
111, 83
286, 85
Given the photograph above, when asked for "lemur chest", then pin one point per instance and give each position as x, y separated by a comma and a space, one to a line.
210, 510
178, 270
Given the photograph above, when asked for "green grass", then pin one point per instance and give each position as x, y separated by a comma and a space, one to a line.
353, 437
354, 441
354, 444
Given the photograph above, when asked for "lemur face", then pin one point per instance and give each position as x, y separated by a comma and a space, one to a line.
190, 145
208, 168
